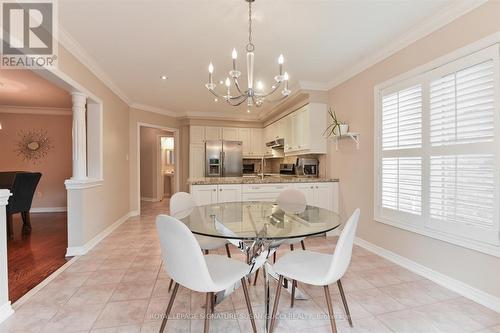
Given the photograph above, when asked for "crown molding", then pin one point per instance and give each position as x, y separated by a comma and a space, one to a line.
73, 47
221, 116
149, 108
426, 27
35, 110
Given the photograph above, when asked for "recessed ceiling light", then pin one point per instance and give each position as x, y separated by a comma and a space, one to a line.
248, 110
216, 100
221, 82
164, 77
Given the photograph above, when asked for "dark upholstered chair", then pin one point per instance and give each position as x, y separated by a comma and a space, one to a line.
22, 185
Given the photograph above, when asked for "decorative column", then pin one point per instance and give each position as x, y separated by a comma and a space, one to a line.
5, 308
79, 136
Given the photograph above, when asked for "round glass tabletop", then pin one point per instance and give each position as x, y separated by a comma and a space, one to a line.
252, 220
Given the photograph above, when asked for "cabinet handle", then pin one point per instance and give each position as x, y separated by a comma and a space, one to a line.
220, 189
312, 187
214, 190
317, 187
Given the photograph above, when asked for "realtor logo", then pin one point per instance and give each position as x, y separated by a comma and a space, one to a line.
29, 31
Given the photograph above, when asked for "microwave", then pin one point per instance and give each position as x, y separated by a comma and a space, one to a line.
307, 167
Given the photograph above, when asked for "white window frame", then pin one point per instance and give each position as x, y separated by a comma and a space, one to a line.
488, 48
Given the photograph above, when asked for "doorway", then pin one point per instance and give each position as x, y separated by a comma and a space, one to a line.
158, 160
35, 132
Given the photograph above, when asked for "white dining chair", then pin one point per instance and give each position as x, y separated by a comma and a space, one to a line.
319, 269
181, 204
290, 200
188, 267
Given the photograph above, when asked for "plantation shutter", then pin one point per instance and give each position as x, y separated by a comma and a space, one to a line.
462, 162
402, 130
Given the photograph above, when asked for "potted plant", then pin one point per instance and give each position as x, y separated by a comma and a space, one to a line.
337, 127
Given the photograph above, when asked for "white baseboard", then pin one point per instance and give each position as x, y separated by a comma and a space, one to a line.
81, 250
5, 311
149, 199
457, 286
135, 213
48, 209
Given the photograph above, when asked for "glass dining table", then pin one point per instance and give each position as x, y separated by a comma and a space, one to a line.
258, 228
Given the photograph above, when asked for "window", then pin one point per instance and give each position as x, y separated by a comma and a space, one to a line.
437, 151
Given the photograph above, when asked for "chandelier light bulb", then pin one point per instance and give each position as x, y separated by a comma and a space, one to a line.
234, 54
210, 68
228, 82
286, 77
260, 85
281, 60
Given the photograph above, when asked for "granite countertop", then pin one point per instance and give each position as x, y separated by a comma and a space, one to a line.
257, 180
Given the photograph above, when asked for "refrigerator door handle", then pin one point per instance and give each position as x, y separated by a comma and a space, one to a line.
222, 171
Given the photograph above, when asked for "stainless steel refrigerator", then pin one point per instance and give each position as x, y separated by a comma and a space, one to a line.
223, 159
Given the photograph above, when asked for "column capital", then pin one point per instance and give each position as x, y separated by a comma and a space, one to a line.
4, 197
78, 98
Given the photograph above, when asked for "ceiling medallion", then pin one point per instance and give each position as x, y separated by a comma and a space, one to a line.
253, 96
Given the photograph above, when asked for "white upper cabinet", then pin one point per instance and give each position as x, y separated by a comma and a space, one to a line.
230, 133
304, 130
245, 136
213, 133
196, 160
252, 141
257, 141
197, 134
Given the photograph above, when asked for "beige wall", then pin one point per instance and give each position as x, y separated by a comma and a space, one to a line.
354, 103
105, 204
55, 167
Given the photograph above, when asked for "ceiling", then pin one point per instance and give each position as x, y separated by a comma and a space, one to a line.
132, 43
23, 88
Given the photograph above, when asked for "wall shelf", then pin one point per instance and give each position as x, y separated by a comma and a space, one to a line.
354, 136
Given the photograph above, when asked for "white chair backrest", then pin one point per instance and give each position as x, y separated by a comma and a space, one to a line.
182, 257
343, 249
292, 200
181, 201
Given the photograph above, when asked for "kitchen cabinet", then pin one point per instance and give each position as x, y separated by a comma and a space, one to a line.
257, 143
230, 133
320, 194
212, 194
252, 144
196, 160
323, 195
229, 193
262, 192
196, 134
204, 194
304, 130
245, 136
213, 133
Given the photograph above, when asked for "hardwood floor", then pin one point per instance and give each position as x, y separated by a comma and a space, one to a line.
34, 257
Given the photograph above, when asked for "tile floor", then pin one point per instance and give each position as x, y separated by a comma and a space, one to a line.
120, 287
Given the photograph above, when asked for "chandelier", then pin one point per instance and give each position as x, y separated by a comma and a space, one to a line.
253, 96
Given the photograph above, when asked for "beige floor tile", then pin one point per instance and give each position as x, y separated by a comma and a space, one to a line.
408, 321
375, 301
132, 290
119, 329
122, 313
73, 318
105, 277
92, 294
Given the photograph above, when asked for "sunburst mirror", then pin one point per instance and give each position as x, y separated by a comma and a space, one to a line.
33, 145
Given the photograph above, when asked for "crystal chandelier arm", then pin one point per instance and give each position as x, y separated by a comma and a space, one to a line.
234, 103
236, 83
276, 86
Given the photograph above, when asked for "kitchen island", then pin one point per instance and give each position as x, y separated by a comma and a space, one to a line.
320, 192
